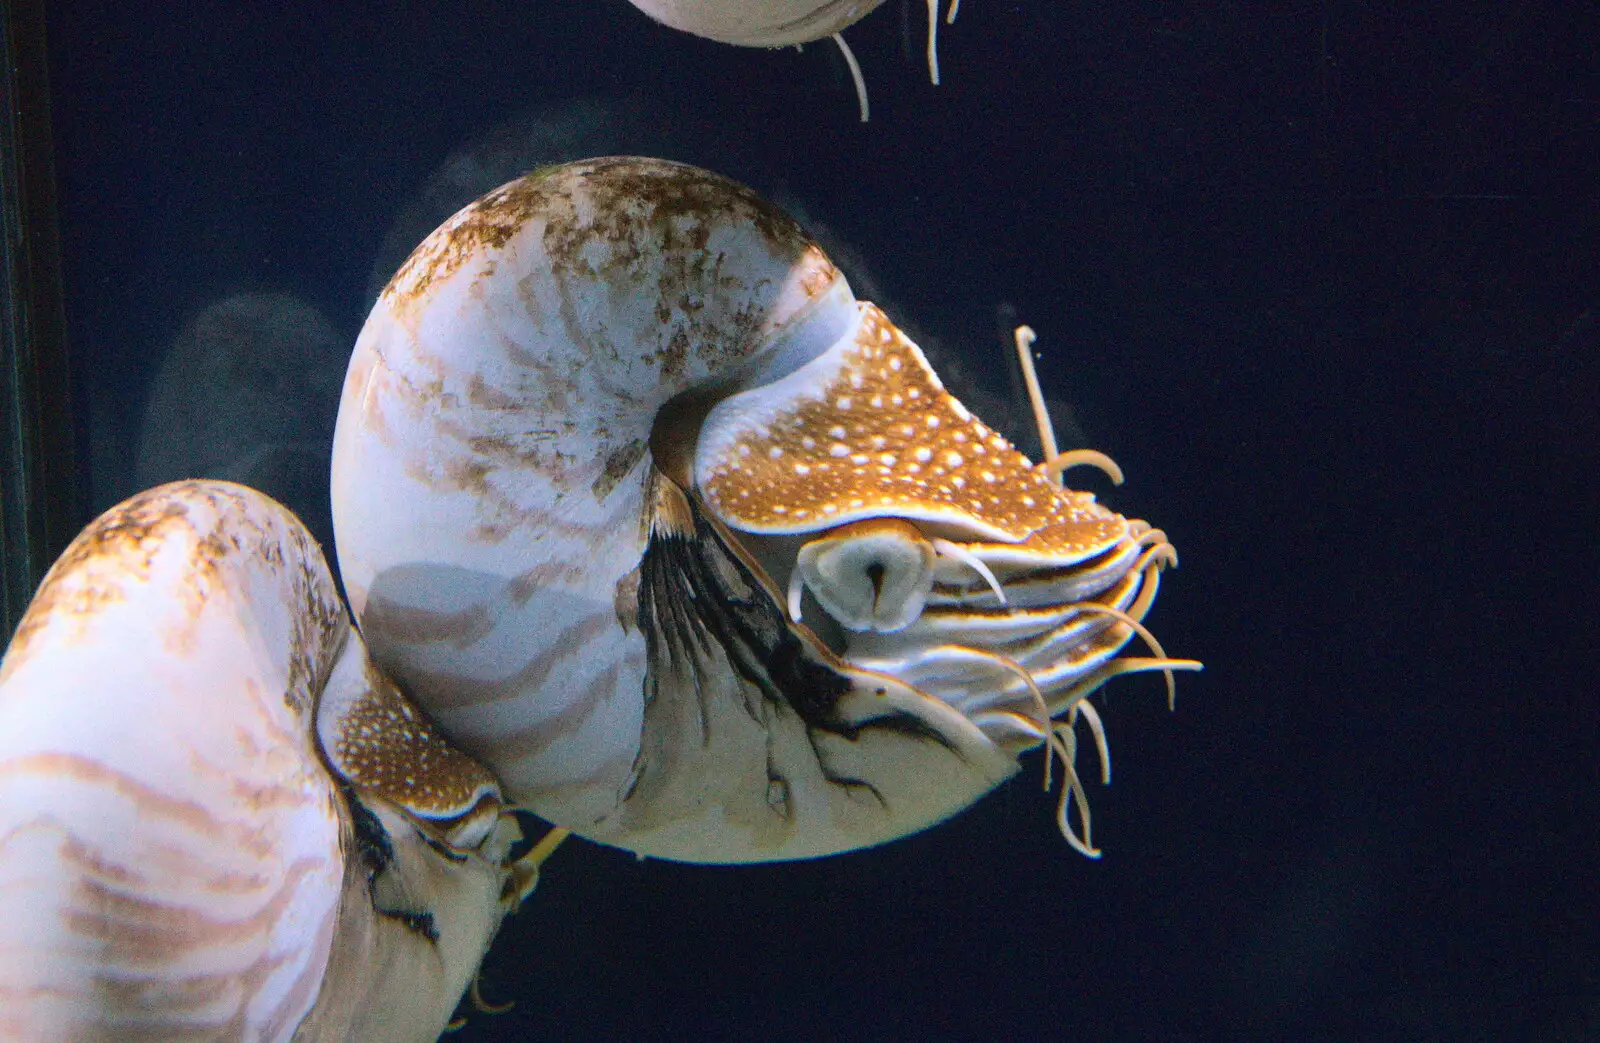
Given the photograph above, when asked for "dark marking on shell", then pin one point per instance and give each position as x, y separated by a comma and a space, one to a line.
485, 225
618, 463
444, 691
480, 394
386, 622
626, 601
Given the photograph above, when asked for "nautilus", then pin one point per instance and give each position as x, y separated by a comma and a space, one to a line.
649, 528
783, 23
217, 819
693, 550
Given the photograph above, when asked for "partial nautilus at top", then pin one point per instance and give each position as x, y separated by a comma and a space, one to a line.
692, 549
784, 23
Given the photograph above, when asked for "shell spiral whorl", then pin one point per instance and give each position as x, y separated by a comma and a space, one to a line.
492, 469
574, 464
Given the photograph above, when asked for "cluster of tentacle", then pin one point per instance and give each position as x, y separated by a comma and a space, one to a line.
1015, 634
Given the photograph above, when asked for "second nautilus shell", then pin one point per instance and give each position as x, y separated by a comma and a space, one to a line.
692, 548
217, 819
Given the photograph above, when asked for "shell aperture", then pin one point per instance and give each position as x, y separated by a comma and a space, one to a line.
179, 856
596, 427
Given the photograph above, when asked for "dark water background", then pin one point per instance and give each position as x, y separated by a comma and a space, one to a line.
1323, 277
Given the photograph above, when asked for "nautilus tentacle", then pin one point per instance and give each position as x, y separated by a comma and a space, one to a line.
691, 547
216, 819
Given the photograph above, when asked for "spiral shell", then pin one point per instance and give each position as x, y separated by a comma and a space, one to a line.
217, 820
601, 438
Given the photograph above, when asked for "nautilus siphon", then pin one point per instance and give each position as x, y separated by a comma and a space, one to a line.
217, 819
693, 549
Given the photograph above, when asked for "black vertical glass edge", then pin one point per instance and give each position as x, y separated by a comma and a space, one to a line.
38, 487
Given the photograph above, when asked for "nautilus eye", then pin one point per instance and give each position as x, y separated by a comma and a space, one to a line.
870, 575
600, 434
217, 820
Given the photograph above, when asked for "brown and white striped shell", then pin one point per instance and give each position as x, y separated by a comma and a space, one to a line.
217, 820
692, 548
